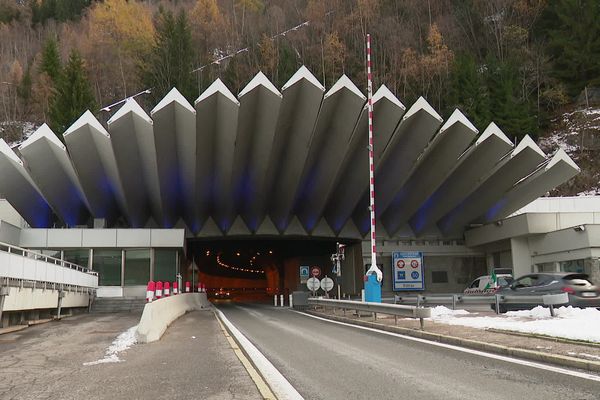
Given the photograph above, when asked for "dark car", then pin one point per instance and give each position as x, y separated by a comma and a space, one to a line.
582, 292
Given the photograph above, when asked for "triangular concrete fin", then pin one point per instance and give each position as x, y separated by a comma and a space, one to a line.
323, 229
238, 227
422, 104
345, 82
217, 87
458, 117
174, 96
559, 156
295, 228
267, 228
259, 80
350, 231
209, 229
303, 74
43, 132
493, 130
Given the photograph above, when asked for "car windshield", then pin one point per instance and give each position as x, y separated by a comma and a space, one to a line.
504, 280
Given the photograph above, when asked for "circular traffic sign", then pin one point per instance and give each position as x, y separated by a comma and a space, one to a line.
400, 263
414, 264
327, 284
315, 271
313, 284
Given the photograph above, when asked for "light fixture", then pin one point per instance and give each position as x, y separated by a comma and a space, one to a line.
579, 228
498, 223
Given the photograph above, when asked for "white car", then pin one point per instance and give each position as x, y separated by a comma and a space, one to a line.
484, 284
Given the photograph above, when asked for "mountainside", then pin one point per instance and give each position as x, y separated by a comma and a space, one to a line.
578, 133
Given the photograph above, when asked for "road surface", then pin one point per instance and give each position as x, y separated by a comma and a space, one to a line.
323, 360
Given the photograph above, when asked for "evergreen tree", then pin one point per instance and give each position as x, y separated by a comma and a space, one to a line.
24, 88
572, 29
73, 95
468, 91
50, 63
513, 114
172, 58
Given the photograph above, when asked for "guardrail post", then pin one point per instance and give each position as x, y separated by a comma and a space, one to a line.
422, 323
454, 298
281, 300
61, 295
418, 300
275, 300
374, 316
3, 293
497, 303
552, 310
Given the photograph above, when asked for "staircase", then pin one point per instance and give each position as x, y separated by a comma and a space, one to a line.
118, 304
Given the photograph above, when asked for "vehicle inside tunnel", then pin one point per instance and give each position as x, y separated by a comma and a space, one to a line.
254, 269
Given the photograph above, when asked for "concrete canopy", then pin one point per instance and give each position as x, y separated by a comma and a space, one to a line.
291, 163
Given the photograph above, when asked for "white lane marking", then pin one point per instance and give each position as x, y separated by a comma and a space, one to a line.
532, 364
282, 388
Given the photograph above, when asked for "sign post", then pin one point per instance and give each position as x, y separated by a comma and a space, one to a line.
374, 276
313, 285
336, 259
407, 270
327, 285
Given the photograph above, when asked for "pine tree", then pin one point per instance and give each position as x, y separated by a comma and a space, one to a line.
50, 63
572, 29
172, 58
468, 91
73, 95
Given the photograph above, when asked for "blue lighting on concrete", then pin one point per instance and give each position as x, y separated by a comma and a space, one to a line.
493, 211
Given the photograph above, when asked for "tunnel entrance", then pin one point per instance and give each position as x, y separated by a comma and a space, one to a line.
250, 269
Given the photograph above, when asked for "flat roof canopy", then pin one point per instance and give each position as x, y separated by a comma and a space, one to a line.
284, 163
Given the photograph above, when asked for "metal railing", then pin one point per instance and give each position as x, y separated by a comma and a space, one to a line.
375, 308
39, 256
496, 299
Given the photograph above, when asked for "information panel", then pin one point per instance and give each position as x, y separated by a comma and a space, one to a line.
407, 270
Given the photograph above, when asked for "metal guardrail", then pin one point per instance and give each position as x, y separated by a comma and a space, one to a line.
496, 300
39, 256
376, 308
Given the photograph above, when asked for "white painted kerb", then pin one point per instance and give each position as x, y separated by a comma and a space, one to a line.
159, 314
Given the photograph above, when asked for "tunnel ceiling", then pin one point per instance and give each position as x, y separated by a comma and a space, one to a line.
283, 163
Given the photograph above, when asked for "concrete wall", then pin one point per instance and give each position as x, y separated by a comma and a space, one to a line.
10, 215
159, 314
9, 233
20, 267
101, 238
32, 299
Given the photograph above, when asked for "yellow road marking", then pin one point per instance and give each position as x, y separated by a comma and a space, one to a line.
260, 383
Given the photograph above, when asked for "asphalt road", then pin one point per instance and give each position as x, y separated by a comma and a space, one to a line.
323, 360
193, 360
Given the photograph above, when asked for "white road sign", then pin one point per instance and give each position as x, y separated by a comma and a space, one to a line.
327, 284
313, 284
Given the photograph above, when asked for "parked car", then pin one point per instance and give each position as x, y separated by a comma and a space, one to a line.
582, 292
484, 284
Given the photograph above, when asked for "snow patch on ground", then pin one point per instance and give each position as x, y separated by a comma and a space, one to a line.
569, 323
441, 311
123, 342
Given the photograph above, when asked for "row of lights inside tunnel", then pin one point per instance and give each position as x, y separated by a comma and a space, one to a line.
224, 265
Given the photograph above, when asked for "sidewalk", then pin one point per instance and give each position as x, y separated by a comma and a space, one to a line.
192, 360
557, 351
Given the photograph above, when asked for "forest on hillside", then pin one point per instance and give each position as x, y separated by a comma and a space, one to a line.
516, 62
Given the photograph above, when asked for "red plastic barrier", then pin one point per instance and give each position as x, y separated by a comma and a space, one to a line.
159, 290
175, 288
187, 286
167, 289
150, 291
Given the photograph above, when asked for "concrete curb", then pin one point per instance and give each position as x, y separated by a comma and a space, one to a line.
531, 355
159, 314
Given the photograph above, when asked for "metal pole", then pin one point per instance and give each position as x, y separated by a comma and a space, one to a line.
374, 268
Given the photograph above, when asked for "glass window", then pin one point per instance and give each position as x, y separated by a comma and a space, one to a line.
137, 267
572, 266
108, 265
165, 265
78, 256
